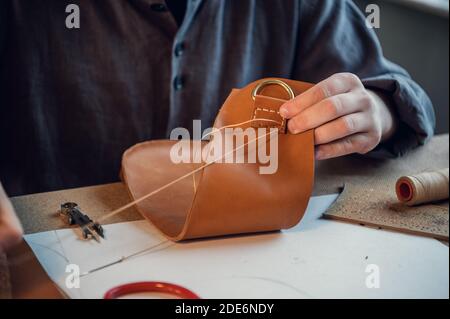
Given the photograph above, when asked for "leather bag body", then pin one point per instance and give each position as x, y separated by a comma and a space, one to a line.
227, 198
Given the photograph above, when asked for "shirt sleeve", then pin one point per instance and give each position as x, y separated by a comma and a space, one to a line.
333, 37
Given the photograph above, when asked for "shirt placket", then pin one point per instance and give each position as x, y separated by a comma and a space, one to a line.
180, 49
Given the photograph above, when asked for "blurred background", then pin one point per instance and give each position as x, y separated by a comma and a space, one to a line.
414, 34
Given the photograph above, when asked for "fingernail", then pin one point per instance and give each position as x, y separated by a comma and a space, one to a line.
284, 112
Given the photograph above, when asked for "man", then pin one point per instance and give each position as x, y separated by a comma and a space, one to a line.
73, 99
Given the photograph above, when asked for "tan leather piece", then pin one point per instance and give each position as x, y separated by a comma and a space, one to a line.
268, 108
225, 199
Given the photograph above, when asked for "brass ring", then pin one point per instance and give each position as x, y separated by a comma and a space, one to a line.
262, 85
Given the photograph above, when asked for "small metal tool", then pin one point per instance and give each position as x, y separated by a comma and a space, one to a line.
74, 216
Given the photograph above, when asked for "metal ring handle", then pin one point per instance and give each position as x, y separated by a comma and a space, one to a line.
262, 85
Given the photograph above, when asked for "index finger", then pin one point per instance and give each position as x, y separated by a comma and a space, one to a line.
334, 85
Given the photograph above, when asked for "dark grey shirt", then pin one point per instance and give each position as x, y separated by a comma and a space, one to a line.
72, 100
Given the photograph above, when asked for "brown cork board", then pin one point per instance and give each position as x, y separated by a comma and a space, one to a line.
380, 208
39, 212
369, 195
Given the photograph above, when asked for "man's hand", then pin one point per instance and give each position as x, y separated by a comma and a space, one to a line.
10, 227
346, 117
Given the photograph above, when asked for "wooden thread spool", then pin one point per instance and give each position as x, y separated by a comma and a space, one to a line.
423, 188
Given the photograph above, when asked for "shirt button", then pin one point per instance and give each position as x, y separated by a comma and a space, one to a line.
179, 49
178, 83
158, 7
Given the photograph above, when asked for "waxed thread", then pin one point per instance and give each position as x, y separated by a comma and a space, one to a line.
424, 188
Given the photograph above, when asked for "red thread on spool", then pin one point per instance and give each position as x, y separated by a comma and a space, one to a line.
405, 191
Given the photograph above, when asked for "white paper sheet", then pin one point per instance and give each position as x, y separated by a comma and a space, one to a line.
316, 259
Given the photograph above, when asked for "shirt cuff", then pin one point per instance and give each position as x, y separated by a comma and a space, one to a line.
413, 110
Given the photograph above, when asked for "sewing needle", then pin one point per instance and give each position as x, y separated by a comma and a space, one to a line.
123, 258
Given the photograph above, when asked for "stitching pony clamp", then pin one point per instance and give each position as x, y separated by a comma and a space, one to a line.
74, 216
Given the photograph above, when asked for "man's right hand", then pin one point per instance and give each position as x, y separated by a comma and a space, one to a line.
10, 228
